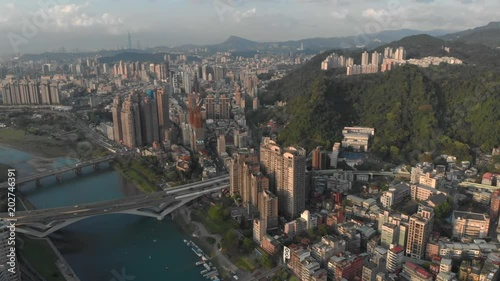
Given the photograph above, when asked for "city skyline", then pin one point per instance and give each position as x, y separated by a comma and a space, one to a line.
70, 24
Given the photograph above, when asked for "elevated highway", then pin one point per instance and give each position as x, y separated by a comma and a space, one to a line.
370, 174
478, 186
43, 222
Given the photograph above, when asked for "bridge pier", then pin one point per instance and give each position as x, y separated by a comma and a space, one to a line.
59, 177
78, 171
38, 182
96, 167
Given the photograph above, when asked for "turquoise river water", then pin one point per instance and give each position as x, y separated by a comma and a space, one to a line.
144, 248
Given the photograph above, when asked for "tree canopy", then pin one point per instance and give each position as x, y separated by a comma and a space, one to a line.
441, 109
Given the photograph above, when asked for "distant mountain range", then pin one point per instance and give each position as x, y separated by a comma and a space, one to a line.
235, 43
488, 35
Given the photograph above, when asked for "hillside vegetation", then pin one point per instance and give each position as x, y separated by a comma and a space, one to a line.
442, 109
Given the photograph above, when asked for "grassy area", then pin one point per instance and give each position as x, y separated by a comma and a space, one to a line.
140, 180
244, 264
40, 255
41, 145
137, 166
214, 226
46, 146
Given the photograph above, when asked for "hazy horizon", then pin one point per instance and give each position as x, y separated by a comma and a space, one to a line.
31, 26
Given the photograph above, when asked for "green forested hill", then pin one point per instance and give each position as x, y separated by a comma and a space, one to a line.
445, 109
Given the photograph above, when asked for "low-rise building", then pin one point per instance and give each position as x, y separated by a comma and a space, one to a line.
491, 179
328, 247
468, 224
395, 195
357, 138
369, 271
422, 192
346, 267
430, 180
269, 244
414, 272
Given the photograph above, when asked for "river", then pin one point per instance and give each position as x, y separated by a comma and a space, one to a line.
102, 247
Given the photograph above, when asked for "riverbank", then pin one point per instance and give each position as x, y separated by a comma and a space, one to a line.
136, 177
42, 257
46, 147
182, 218
43, 146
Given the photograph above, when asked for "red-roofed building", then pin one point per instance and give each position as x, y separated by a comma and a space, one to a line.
414, 272
394, 259
345, 267
491, 179
269, 244
434, 268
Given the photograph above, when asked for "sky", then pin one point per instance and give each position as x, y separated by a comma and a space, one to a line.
47, 25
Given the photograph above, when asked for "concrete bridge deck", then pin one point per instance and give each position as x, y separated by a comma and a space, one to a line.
368, 173
43, 222
61, 170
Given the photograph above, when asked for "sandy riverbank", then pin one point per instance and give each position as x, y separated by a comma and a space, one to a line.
43, 146
41, 162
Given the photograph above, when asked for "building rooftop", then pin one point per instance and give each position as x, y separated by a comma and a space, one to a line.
438, 199
401, 186
419, 270
469, 215
398, 249
371, 265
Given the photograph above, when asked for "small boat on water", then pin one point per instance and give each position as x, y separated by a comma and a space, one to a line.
166, 267
200, 263
210, 274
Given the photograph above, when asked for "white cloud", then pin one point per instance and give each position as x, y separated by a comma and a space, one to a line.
59, 18
240, 15
339, 14
374, 13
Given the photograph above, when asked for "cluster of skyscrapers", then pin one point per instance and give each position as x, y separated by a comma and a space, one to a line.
285, 176
218, 109
272, 183
336, 61
141, 118
30, 92
159, 71
378, 62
